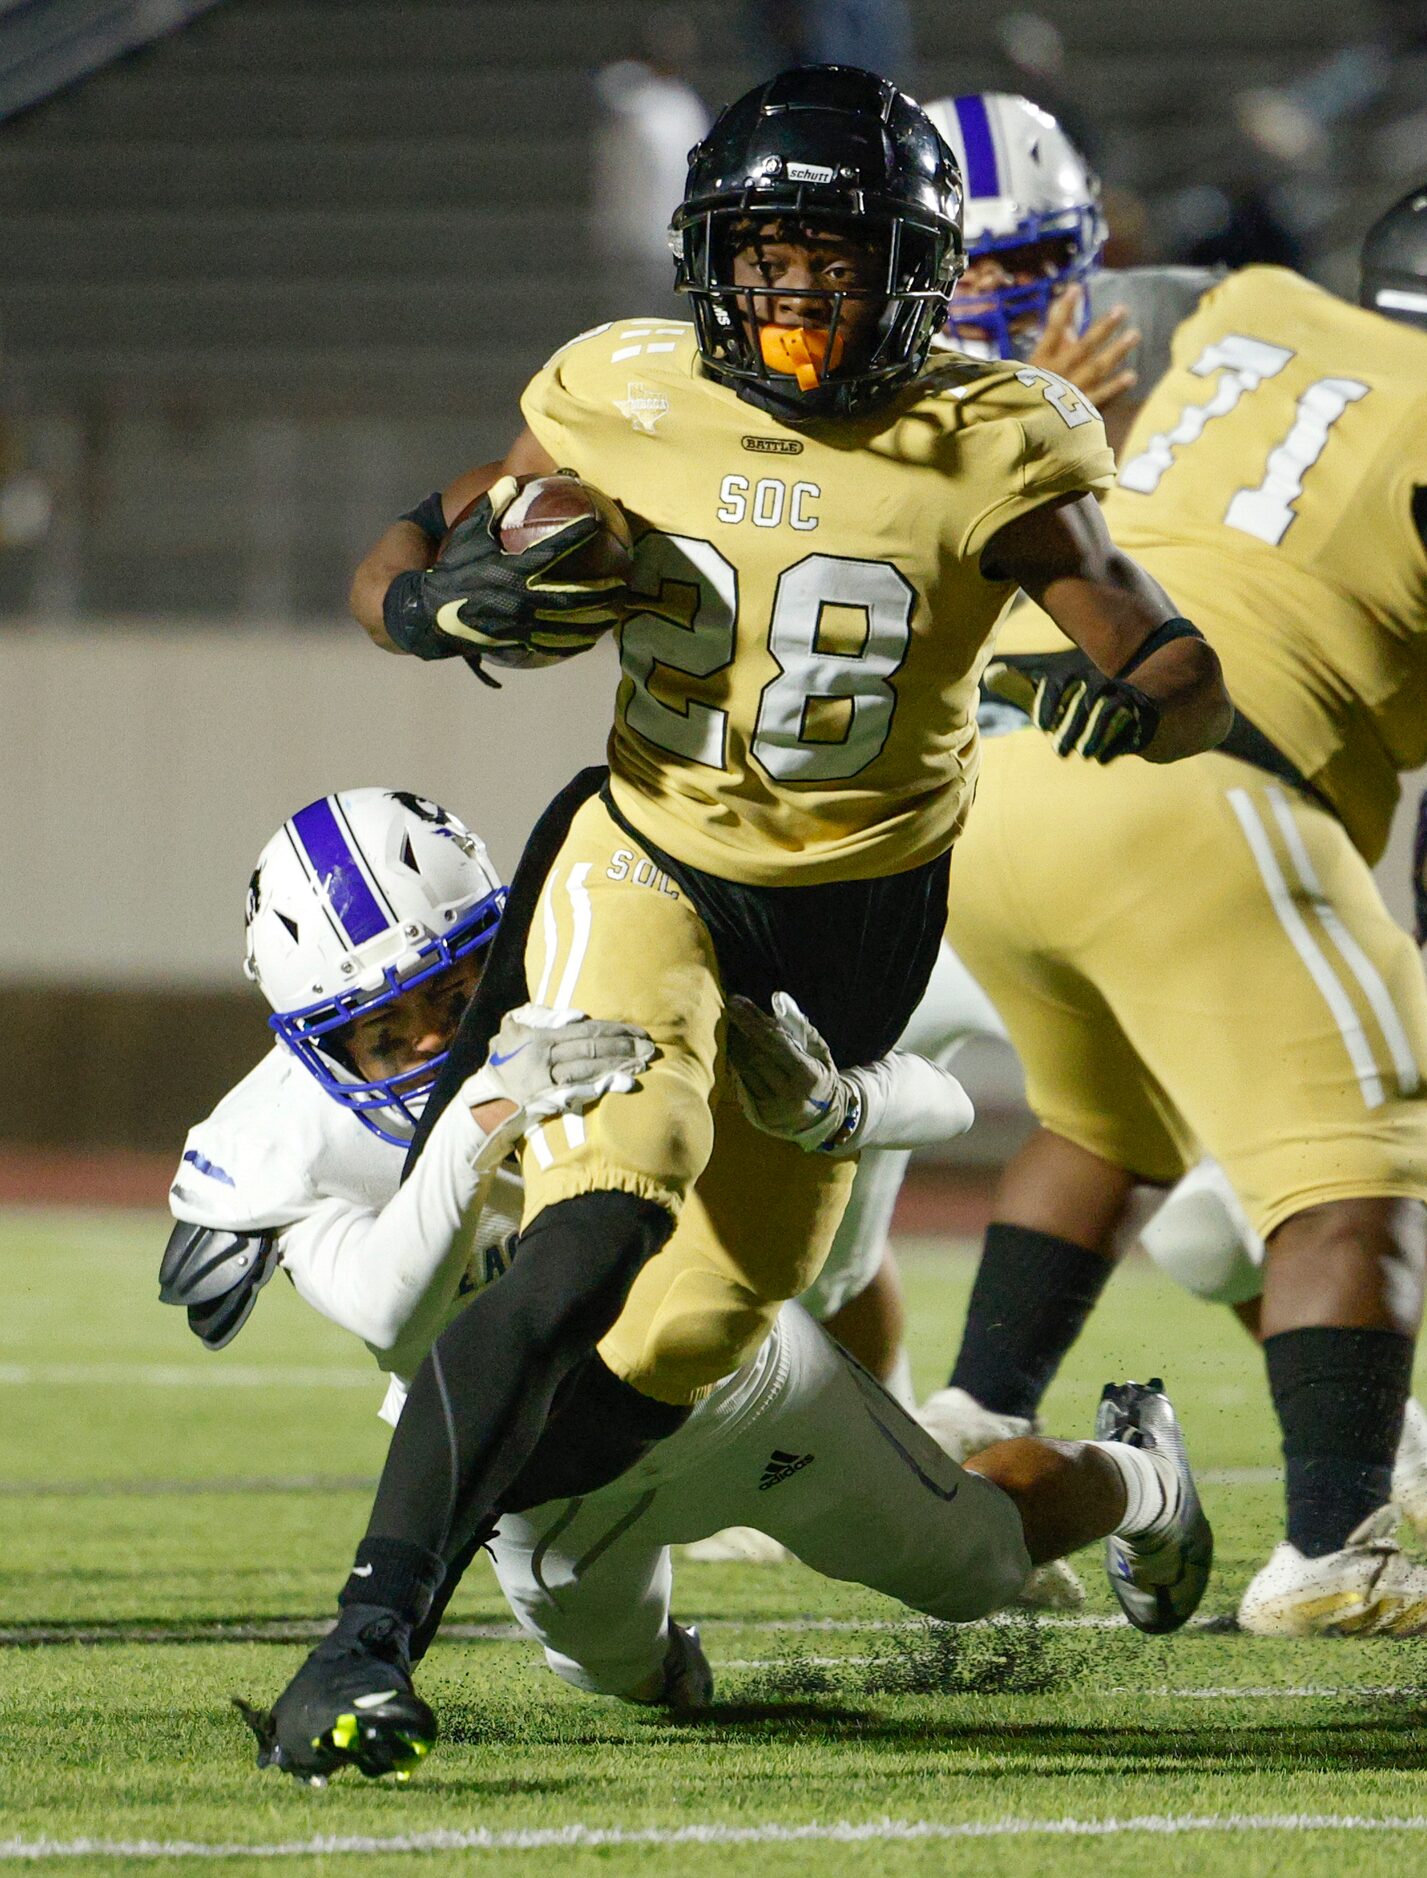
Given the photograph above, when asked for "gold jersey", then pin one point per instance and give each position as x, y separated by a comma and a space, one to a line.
1269, 484
798, 694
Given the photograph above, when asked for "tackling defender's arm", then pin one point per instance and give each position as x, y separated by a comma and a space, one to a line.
1063, 557
389, 1274
405, 546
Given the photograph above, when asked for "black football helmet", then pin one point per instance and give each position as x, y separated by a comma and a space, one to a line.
825, 145
1394, 279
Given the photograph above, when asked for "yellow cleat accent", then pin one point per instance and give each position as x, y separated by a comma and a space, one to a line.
343, 1732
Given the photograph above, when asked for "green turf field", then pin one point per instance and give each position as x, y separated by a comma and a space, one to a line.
168, 1519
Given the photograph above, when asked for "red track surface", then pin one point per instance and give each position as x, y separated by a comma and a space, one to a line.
935, 1199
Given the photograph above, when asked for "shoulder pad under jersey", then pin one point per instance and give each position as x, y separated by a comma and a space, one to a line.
216, 1276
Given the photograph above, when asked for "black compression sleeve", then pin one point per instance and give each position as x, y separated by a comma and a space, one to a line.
598, 1428
483, 1396
429, 516
1162, 635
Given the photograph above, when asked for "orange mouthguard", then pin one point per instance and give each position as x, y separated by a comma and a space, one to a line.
801, 352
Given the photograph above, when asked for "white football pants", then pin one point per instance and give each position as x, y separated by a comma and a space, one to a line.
803, 1445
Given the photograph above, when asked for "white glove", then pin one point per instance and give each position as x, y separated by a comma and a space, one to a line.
790, 1086
557, 1063
787, 1081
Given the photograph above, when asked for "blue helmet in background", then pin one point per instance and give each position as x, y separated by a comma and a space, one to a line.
1025, 185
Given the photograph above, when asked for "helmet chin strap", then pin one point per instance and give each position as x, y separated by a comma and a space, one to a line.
801, 352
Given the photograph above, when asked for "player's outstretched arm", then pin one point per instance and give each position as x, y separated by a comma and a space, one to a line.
410, 544
1126, 626
790, 1087
390, 1275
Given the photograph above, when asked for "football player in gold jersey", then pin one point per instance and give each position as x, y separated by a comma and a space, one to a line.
826, 533
1197, 960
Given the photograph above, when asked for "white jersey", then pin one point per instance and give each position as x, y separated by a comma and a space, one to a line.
393, 1263
390, 1263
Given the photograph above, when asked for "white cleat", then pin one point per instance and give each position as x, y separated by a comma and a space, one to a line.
1052, 1587
1368, 1589
1409, 1471
961, 1427
738, 1545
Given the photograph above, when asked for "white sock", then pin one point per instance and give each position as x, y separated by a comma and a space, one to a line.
899, 1384
1152, 1489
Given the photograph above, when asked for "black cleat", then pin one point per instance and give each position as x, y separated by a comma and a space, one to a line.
351, 1704
1159, 1582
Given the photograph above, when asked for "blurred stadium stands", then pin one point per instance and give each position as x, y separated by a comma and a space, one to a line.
269, 279
266, 277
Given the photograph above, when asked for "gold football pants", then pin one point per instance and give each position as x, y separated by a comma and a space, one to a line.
1192, 957
613, 937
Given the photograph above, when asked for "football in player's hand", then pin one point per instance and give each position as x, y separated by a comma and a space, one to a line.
577, 590
546, 504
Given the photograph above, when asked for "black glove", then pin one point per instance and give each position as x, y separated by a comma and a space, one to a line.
478, 598
1065, 694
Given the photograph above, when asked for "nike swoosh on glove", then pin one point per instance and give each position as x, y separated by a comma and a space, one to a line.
1084, 712
551, 1062
476, 596
788, 1083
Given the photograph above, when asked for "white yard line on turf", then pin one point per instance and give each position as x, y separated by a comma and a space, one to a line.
287, 1630
841, 1831
1265, 1692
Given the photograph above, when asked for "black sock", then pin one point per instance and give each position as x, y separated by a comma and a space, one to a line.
394, 1574
482, 1398
1339, 1395
1032, 1294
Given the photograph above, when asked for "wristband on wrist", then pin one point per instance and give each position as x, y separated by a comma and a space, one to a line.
429, 516
851, 1121
1163, 635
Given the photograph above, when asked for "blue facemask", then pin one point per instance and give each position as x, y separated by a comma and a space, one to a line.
311, 1032
979, 321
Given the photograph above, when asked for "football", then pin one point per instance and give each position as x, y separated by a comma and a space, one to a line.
545, 505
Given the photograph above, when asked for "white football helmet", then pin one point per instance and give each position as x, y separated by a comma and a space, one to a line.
356, 899
1025, 182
